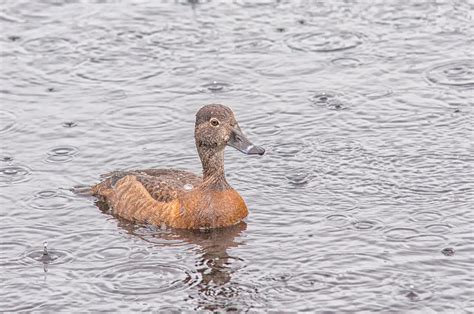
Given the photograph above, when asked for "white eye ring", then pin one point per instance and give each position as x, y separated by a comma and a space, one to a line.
214, 122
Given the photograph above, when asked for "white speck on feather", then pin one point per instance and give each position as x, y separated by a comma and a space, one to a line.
188, 186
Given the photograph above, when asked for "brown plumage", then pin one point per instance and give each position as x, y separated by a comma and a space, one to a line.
180, 199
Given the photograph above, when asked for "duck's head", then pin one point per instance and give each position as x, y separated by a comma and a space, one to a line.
217, 127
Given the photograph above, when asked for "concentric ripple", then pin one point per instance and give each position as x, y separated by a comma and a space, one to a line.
298, 177
324, 41
454, 73
109, 68
7, 121
11, 174
49, 44
49, 200
413, 287
127, 278
346, 62
400, 234
310, 282
367, 224
61, 154
338, 220
53, 256
138, 117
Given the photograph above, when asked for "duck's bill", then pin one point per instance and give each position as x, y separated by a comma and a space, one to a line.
241, 143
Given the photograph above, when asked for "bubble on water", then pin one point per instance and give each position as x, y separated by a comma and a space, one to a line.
324, 41
453, 73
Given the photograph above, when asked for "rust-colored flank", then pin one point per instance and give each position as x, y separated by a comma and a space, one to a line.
180, 199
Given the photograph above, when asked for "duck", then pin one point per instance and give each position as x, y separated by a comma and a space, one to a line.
180, 199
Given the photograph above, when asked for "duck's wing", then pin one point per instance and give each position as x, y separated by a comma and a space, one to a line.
163, 185
146, 195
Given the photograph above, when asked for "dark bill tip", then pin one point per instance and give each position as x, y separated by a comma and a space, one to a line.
240, 142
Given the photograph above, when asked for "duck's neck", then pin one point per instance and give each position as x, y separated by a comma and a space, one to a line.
213, 168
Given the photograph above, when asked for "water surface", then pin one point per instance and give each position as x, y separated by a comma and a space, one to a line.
363, 201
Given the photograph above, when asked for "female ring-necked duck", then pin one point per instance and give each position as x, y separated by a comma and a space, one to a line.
178, 198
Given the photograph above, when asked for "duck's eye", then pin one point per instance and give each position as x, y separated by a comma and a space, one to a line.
214, 122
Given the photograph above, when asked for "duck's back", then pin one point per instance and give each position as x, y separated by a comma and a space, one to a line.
176, 198
147, 196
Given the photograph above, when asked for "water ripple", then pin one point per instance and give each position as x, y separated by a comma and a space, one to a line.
324, 41
365, 225
12, 174
347, 62
109, 68
338, 220
413, 287
53, 256
127, 278
400, 234
139, 117
426, 216
49, 200
453, 73
330, 99
49, 44
62, 153
256, 45
7, 121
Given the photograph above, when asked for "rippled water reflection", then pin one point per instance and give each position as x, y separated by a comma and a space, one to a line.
363, 201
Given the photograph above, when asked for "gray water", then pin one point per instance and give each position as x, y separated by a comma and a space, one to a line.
363, 201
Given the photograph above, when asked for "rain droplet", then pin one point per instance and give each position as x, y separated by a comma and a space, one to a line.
413, 296
14, 38
69, 124
7, 158
449, 251
216, 86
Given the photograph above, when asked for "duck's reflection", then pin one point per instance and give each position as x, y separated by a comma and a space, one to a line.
214, 264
